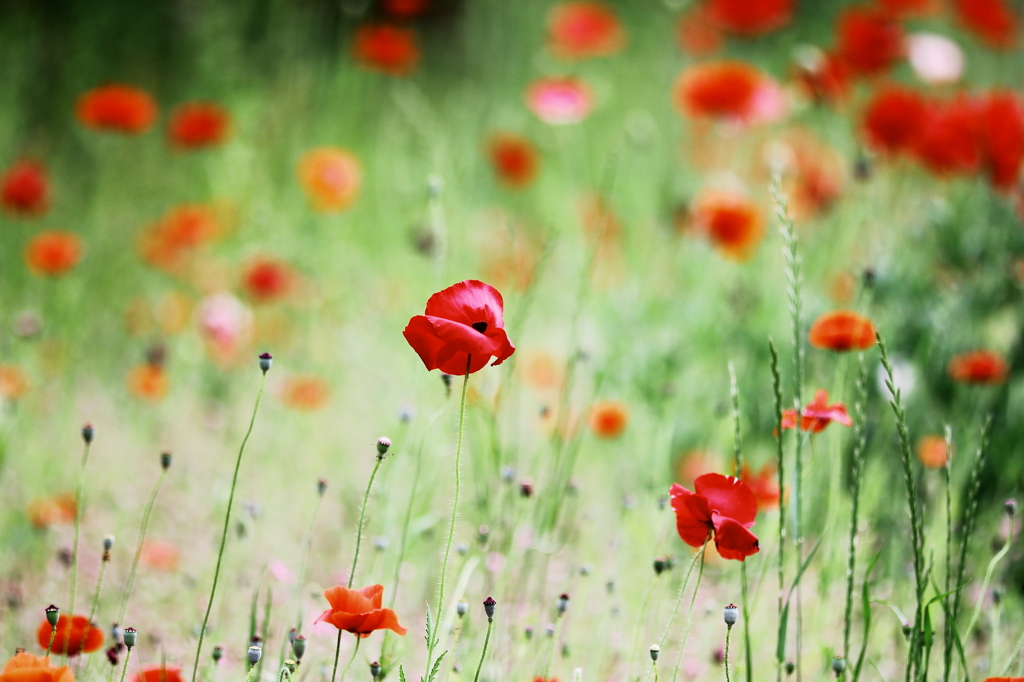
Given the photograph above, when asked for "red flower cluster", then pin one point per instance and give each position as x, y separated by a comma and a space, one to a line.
721, 506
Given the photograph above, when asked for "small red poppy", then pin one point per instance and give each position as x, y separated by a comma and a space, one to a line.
268, 279
731, 221
817, 415
1001, 133
991, 20
359, 611
723, 89
25, 189
462, 325
117, 108
948, 140
331, 178
722, 506
582, 28
868, 40
979, 367
159, 673
751, 17
53, 253
894, 118
388, 49
514, 159
842, 330
75, 635
608, 419
25, 667
197, 125
764, 484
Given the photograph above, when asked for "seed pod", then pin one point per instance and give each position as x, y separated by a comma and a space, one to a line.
299, 647
461, 607
731, 614
52, 615
266, 360
655, 651
383, 444
838, 665
489, 605
218, 653
375, 669
88, 432
165, 460
255, 653
130, 635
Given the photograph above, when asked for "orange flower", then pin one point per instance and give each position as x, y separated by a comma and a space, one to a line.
159, 673
991, 20
387, 49
581, 29
169, 244
53, 253
751, 17
723, 89
117, 108
160, 555
25, 189
817, 414
869, 40
948, 141
25, 667
608, 419
359, 611
764, 485
268, 279
979, 367
148, 381
75, 635
894, 118
53, 510
330, 177
514, 159
842, 330
931, 451
196, 125
731, 221
13, 383
307, 393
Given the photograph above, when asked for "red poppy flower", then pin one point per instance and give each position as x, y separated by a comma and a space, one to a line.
306, 393
723, 506
388, 49
25, 189
869, 40
268, 279
608, 419
991, 20
1001, 133
817, 414
842, 330
170, 242
514, 159
331, 178
582, 29
931, 451
198, 124
979, 367
948, 140
751, 17
894, 118
405, 9
461, 324
159, 673
75, 635
117, 108
148, 381
764, 484
53, 253
724, 89
51, 511
25, 667
359, 611
731, 221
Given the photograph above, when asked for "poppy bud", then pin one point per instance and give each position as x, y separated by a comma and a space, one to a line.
862, 168
292, 634
299, 647
838, 665
461, 607
659, 565
461, 548
130, 635
165, 460
88, 432
997, 596
584, 570
375, 669
549, 629
906, 630
321, 487
482, 533
565, 651
489, 605
868, 277
447, 380
526, 489
662, 502
255, 652
790, 667
112, 655
731, 614
1010, 507
108, 544
528, 632
563, 603
266, 360
290, 666
610, 587
655, 651
52, 615
218, 653
381, 543
383, 443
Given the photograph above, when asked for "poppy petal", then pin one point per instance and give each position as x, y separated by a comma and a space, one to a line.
424, 340
732, 539
728, 496
693, 519
468, 302
374, 593
504, 347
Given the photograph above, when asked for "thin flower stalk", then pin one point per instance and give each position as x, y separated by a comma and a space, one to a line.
483, 652
859, 447
689, 613
985, 583
79, 491
779, 453
138, 548
737, 446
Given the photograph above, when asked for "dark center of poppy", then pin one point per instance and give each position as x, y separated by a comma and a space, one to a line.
479, 326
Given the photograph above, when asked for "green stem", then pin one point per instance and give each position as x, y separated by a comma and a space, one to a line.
689, 614
640, 623
349, 664
337, 654
487, 639
682, 591
738, 457
860, 438
224, 533
451, 526
362, 516
728, 636
138, 548
125, 668
779, 452
984, 585
53, 635
99, 586
74, 549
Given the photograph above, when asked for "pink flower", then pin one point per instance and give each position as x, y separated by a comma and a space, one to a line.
560, 101
225, 323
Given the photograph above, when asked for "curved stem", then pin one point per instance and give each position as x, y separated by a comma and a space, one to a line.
487, 639
984, 585
349, 664
362, 515
74, 548
682, 591
138, 549
227, 520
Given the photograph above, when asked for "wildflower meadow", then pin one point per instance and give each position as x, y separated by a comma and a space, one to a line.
511, 340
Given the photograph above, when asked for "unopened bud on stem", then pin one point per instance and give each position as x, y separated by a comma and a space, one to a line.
731, 614
266, 360
489, 605
52, 615
130, 635
255, 652
655, 651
